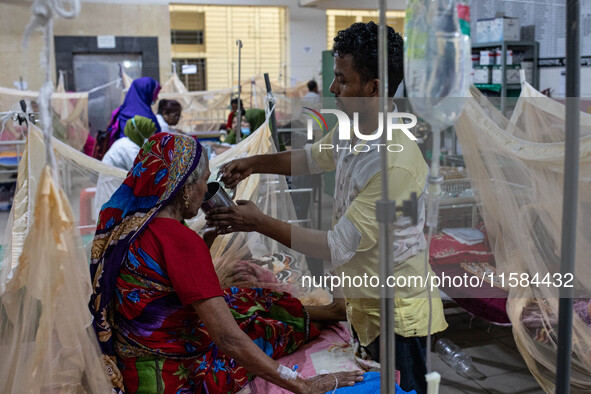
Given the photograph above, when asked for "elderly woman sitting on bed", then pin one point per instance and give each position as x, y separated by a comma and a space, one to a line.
162, 320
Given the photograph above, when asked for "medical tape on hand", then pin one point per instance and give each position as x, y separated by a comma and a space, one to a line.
286, 373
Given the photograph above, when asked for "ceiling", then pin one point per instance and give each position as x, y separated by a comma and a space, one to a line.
352, 4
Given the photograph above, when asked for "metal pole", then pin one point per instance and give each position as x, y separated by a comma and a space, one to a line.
239, 110
386, 212
272, 120
570, 195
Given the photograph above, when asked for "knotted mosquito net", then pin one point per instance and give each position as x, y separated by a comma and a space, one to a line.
517, 169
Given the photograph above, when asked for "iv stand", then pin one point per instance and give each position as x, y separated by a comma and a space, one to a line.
570, 194
239, 110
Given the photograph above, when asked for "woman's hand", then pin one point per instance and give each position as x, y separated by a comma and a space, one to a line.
231, 340
245, 217
326, 383
236, 171
209, 236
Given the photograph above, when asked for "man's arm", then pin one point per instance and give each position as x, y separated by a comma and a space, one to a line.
284, 163
294, 162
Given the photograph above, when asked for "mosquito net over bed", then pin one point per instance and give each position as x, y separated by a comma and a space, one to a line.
70, 114
516, 166
208, 110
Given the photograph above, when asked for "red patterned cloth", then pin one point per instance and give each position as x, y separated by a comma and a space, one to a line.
159, 172
275, 322
446, 250
454, 259
161, 344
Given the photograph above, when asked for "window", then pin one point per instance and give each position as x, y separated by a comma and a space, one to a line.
261, 29
337, 20
187, 37
196, 81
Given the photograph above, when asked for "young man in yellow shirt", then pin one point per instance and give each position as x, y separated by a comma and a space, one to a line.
351, 246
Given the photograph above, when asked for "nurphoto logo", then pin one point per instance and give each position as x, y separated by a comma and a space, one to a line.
345, 129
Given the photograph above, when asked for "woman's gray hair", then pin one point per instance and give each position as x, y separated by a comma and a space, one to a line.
199, 170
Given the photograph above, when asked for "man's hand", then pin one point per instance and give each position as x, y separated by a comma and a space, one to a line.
333, 312
236, 171
245, 217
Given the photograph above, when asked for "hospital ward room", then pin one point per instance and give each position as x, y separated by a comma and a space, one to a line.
295, 196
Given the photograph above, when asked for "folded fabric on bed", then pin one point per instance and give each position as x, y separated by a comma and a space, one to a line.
465, 235
445, 249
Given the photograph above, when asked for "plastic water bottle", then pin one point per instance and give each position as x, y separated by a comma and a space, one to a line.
455, 357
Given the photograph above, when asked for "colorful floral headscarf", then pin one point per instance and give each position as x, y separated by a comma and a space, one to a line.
159, 171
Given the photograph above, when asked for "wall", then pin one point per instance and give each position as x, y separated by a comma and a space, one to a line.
353, 4
550, 78
95, 19
306, 28
307, 32
186, 20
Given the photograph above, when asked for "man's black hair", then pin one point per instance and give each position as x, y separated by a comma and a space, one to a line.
168, 106
361, 41
235, 101
312, 85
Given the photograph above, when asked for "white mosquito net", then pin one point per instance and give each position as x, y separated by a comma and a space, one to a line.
70, 114
516, 167
208, 110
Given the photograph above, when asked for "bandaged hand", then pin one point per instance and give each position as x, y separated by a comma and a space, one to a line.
244, 217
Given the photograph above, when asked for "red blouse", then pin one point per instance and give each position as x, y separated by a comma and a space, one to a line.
186, 259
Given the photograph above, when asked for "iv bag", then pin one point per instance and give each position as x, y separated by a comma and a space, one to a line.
437, 61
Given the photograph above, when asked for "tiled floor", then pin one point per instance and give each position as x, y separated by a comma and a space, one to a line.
493, 353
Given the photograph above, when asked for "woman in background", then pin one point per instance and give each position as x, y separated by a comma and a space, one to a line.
169, 114
233, 109
138, 100
251, 120
121, 155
